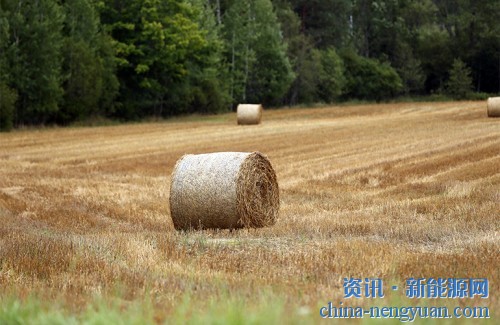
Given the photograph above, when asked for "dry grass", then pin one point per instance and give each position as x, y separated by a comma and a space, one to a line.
390, 191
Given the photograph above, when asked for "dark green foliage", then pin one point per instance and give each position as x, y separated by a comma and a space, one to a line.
411, 72
321, 77
433, 42
7, 100
88, 67
326, 21
459, 85
83, 84
331, 76
305, 88
206, 90
260, 70
164, 56
369, 78
78, 59
32, 53
110, 84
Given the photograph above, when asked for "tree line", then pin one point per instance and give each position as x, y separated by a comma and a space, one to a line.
67, 60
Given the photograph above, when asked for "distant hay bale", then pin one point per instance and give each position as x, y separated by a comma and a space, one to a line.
249, 114
223, 190
494, 107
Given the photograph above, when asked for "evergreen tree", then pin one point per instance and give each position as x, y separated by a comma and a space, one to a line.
71, 59
410, 70
326, 21
7, 95
259, 67
239, 33
369, 78
207, 86
307, 81
432, 41
7, 101
33, 57
331, 76
86, 78
459, 85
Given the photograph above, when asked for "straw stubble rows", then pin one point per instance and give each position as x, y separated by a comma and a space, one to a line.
391, 191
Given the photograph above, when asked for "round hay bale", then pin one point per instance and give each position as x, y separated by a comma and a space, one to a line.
223, 190
249, 114
494, 107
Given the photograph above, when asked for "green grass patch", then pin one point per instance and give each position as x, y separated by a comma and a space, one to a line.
191, 309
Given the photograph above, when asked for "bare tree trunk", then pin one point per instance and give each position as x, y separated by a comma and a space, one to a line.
247, 53
232, 71
246, 74
219, 21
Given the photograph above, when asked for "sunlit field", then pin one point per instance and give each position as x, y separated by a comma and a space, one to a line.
389, 191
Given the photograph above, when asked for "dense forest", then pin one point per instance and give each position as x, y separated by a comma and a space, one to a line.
67, 60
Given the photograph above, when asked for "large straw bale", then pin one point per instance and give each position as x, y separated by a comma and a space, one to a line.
494, 107
249, 114
223, 190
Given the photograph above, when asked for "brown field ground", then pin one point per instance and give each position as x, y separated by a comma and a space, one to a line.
390, 191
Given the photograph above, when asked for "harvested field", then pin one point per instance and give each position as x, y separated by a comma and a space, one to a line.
391, 191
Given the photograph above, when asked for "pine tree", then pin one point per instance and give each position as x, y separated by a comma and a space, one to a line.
331, 76
7, 95
459, 85
33, 57
8, 98
259, 67
326, 21
207, 84
86, 78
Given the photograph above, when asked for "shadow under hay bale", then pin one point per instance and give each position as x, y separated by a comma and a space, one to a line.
248, 114
223, 190
494, 107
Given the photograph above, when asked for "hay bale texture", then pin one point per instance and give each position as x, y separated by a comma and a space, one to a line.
494, 107
249, 114
223, 190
